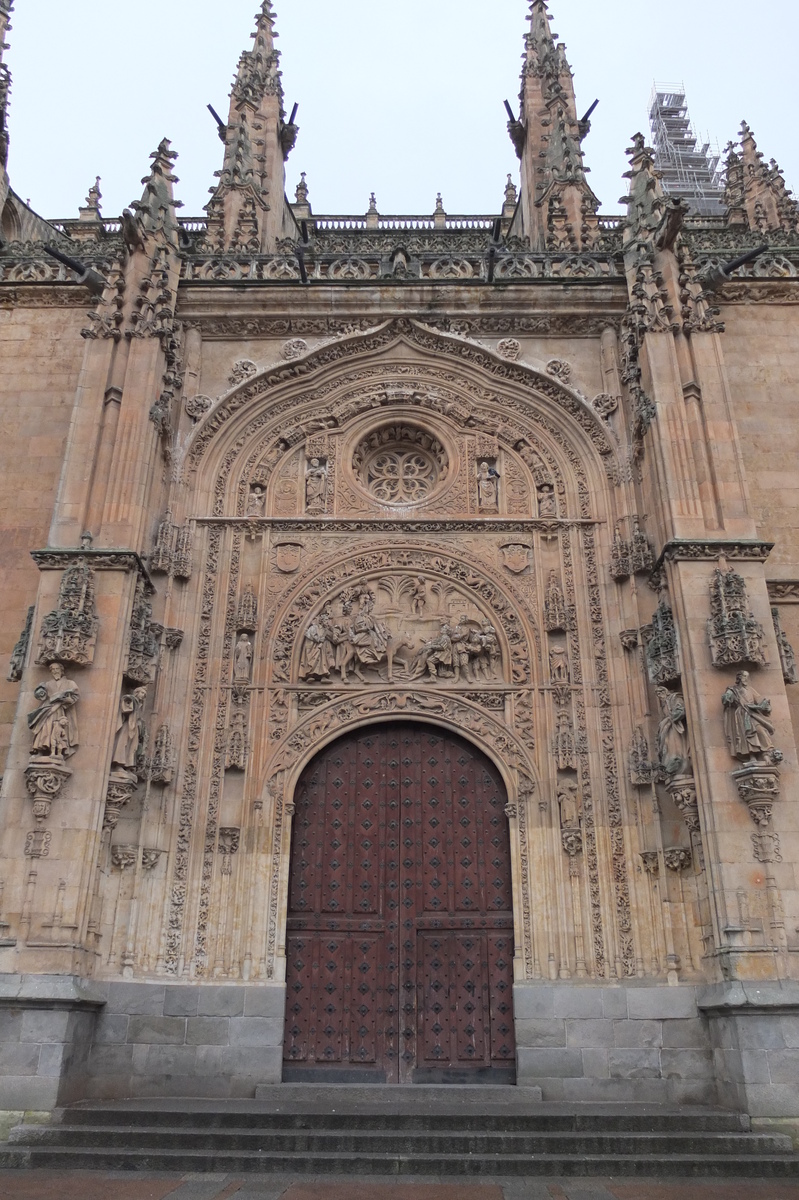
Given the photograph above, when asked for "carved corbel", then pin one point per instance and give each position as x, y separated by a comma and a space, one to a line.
124, 857
651, 861
759, 787
677, 858
44, 782
117, 796
682, 789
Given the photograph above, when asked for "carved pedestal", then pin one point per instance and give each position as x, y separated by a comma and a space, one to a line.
682, 789
121, 787
44, 779
759, 788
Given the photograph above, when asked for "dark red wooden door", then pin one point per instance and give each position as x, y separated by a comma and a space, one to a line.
400, 923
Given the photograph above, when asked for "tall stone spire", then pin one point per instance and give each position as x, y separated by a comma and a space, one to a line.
5, 89
558, 206
756, 194
247, 209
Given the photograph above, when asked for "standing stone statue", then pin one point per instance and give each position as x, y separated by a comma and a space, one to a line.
674, 751
315, 486
242, 660
129, 731
749, 732
54, 724
487, 486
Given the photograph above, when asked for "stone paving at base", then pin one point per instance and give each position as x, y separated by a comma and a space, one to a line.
101, 1185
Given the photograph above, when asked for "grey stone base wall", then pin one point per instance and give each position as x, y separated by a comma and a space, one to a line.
626, 1043
754, 1032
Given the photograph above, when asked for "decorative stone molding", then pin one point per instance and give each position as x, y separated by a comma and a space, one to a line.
197, 406
20, 652
685, 550
98, 560
37, 843
783, 591
678, 858
766, 847
631, 557
124, 857
735, 636
118, 794
162, 764
651, 861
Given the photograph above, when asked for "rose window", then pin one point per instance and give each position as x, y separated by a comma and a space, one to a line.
400, 464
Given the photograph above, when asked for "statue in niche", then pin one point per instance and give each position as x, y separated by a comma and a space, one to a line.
559, 670
570, 804
256, 501
749, 732
487, 487
316, 486
318, 652
130, 732
54, 723
547, 501
242, 660
419, 596
674, 751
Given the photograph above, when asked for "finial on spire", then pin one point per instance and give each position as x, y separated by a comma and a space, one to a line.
756, 190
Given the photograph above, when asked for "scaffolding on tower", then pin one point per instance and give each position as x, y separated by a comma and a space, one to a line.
689, 167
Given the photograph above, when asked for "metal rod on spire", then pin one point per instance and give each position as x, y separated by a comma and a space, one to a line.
220, 124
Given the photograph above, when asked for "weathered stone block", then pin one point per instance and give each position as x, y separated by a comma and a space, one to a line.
637, 1033
531, 1001
265, 1001
760, 1032
537, 1064
784, 1067
207, 1031
181, 1001
157, 1030
634, 1064
256, 1031
136, 999
110, 1028
661, 1004
589, 1032
111, 1060
578, 1002
614, 1003
220, 1001
686, 1034
19, 1058
169, 1060
53, 1059
45, 1025
688, 1064
754, 1067
540, 1032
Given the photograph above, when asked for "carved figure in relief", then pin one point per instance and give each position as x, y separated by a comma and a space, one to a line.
130, 731
438, 652
570, 804
54, 724
487, 486
369, 637
242, 660
318, 651
674, 751
559, 670
547, 502
749, 732
419, 596
316, 486
256, 501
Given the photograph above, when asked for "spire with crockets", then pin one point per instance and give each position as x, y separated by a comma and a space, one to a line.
247, 210
5, 90
756, 194
558, 206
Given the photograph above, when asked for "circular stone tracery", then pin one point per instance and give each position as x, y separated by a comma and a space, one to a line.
400, 464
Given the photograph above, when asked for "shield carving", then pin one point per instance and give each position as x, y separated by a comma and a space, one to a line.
516, 557
288, 556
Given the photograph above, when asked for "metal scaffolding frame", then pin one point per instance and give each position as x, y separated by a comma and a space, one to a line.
690, 168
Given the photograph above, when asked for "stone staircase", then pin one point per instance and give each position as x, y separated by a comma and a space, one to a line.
458, 1131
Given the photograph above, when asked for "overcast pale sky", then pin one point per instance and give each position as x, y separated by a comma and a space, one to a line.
400, 97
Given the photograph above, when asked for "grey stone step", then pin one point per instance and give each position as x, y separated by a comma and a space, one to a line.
737, 1166
401, 1098
398, 1142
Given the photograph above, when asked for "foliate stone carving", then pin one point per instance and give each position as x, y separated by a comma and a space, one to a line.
69, 633
509, 348
173, 638
316, 486
242, 659
247, 614
555, 617
162, 765
516, 557
563, 744
787, 655
142, 642
124, 857
677, 858
117, 796
759, 788
44, 781
237, 742
242, 370
682, 789
20, 651
651, 861
228, 845
150, 858
400, 464
161, 557
766, 847
633, 556
662, 658
559, 369
605, 404
641, 769
183, 552
735, 636
294, 348
37, 843
197, 406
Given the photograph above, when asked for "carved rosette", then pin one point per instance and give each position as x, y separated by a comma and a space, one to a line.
44, 781
117, 796
682, 789
759, 787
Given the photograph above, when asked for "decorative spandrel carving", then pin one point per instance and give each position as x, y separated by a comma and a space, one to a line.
555, 620
401, 627
735, 636
20, 651
142, 643
247, 614
787, 655
662, 658
69, 633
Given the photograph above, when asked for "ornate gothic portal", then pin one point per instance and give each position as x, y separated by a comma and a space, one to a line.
400, 923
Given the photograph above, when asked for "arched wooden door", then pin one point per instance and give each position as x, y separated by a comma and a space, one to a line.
400, 922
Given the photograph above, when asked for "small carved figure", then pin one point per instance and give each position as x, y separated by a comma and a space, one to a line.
369, 637
749, 733
315, 486
54, 723
419, 596
242, 660
547, 503
318, 654
434, 653
570, 804
256, 501
559, 670
674, 751
487, 486
130, 730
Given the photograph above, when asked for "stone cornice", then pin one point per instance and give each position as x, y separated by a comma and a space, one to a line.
100, 560
710, 550
294, 525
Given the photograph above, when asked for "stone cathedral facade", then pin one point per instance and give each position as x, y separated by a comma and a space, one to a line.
399, 618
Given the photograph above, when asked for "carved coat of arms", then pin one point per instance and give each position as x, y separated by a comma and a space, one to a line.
516, 557
288, 556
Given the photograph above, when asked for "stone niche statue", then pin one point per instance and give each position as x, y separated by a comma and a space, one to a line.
487, 487
674, 751
130, 733
749, 732
316, 486
54, 724
242, 660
